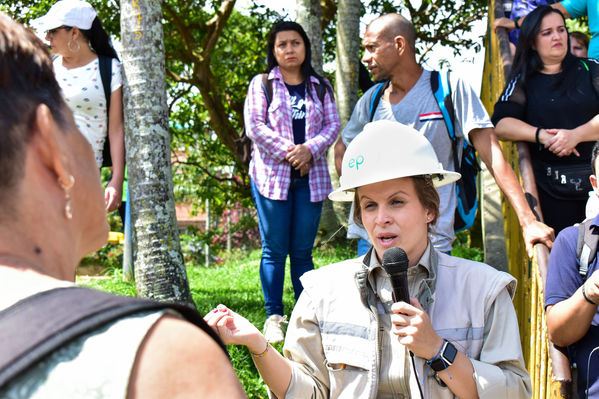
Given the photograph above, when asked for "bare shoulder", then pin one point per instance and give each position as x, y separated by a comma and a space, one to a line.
177, 359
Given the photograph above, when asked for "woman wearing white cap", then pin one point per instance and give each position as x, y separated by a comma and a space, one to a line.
76, 35
351, 338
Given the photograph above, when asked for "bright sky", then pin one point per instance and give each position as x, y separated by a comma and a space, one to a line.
468, 65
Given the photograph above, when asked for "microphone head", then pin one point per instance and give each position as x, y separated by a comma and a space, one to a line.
395, 261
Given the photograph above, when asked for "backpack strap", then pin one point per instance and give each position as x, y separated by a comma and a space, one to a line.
267, 87
38, 325
586, 246
321, 93
442, 93
105, 66
376, 98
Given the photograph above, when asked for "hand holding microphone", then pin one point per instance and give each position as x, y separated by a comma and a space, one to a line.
411, 323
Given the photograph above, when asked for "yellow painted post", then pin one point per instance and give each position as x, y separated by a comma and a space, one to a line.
115, 237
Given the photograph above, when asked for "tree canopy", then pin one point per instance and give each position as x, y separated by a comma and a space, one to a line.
212, 52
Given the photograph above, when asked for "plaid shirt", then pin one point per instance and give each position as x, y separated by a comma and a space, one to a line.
272, 135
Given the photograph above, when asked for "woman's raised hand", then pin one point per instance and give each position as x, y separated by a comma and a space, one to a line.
414, 329
234, 329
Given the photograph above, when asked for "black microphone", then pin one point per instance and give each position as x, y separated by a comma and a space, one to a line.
395, 263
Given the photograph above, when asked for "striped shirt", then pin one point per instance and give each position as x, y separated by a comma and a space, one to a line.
272, 134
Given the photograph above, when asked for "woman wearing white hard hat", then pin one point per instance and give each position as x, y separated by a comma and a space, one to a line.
83, 47
348, 337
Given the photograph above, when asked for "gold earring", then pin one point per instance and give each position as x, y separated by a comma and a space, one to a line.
68, 211
70, 44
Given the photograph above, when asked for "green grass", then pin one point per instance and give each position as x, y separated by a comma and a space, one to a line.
236, 283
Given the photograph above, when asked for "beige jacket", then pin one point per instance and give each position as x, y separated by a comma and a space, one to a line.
333, 339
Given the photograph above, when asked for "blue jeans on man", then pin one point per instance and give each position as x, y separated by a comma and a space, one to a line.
287, 227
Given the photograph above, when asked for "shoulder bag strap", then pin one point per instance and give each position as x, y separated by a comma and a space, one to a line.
38, 325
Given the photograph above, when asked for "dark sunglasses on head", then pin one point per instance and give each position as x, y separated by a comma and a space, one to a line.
53, 31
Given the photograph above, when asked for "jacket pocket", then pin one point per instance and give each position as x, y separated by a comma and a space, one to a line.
341, 357
348, 368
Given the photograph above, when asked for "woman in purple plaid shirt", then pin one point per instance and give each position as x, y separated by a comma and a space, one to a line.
291, 134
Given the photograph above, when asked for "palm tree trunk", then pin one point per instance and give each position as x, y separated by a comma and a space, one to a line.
348, 57
159, 270
346, 79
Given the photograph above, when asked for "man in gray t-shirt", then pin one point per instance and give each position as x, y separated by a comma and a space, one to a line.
389, 52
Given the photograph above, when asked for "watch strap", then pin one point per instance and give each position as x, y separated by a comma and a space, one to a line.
445, 358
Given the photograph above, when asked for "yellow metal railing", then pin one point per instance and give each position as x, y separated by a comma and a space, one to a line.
548, 366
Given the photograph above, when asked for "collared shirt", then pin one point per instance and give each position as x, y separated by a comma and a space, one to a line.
271, 132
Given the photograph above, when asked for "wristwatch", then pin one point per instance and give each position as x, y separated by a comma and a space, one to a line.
445, 358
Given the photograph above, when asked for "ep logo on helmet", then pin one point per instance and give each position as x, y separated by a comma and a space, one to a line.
356, 162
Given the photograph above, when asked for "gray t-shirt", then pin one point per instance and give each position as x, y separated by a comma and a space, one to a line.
419, 110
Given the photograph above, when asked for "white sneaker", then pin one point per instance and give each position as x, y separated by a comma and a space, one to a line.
272, 328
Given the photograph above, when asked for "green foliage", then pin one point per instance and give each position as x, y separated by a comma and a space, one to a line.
26, 10
241, 233
110, 257
192, 246
579, 25
438, 22
204, 168
462, 247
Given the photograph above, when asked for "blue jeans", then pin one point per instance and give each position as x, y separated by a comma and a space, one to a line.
287, 227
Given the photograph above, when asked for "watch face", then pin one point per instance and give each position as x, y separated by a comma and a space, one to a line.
449, 353
446, 358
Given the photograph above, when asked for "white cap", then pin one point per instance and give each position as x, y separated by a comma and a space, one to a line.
66, 13
387, 150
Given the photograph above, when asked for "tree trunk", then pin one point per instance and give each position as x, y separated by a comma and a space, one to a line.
346, 81
309, 17
159, 270
348, 57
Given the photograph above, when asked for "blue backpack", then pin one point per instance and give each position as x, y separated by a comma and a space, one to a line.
467, 166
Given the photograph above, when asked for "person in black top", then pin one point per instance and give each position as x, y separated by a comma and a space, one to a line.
551, 101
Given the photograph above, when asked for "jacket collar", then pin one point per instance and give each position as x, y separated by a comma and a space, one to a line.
275, 74
426, 288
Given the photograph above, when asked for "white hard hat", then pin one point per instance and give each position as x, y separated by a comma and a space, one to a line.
66, 13
386, 150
